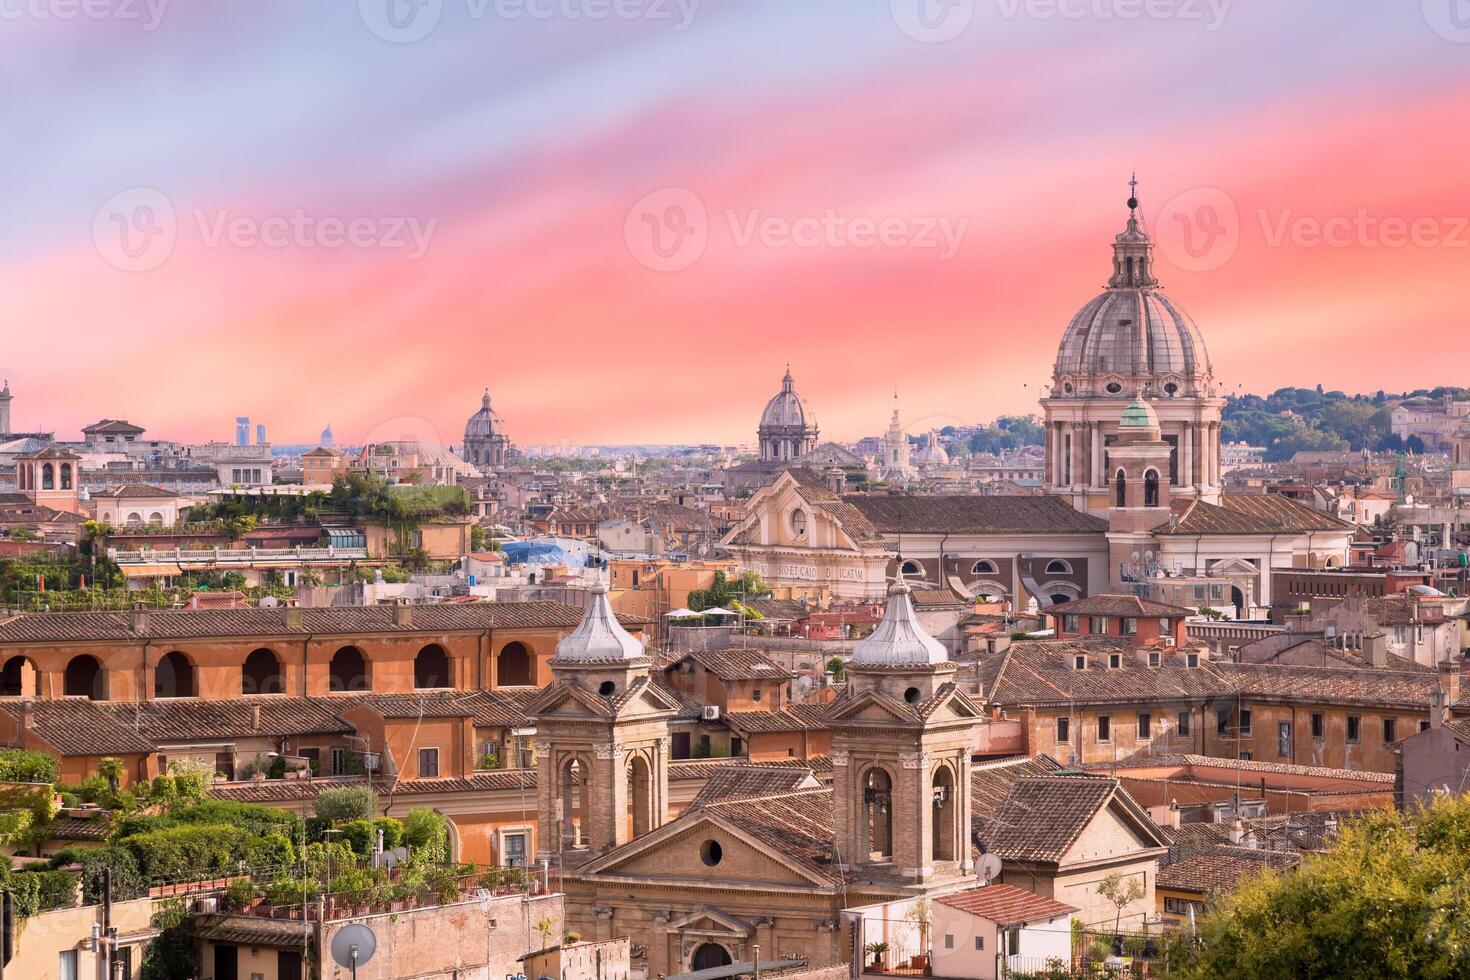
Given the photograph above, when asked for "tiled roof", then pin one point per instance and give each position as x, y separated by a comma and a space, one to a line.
793, 718
738, 665
797, 826
1333, 685
190, 624
1399, 610
745, 782
181, 719
780, 610
991, 782
1111, 604
1034, 672
930, 598
80, 828
1005, 905
142, 490
1245, 765
1042, 816
77, 726
1220, 869
977, 514
1251, 513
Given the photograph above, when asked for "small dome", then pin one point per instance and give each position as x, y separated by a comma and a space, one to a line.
787, 408
899, 640
599, 636
1139, 415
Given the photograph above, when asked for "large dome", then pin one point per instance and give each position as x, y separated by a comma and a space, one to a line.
787, 409
484, 423
1132, 337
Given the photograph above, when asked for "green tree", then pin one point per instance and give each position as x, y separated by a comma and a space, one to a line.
1388, 900
1120, 892
346, 803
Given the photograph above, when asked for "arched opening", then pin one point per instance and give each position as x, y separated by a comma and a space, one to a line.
174, 677
135, 519
1058, 567
513, 666
1151, 488
945, 807
640, 797
431, 667
1237, 598
1058, 598
1120, 489
18, 679
574, 804
984, 567
155, 518
48, 477
261, 673
66, 476
348, 671
912, 568
83, 678
878, 810
709, 956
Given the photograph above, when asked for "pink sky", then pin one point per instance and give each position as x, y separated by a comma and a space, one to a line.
530, 284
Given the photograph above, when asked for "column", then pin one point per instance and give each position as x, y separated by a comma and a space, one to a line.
1097, 441
1186, 456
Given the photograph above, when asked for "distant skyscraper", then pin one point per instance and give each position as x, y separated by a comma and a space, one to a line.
328, 441
242, 430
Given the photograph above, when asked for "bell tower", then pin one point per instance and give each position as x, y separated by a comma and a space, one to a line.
602, 741
51, 477
1137, 487
901, 742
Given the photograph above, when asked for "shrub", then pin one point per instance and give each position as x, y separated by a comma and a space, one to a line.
26, 766
272, 850
358, 834
190, 851
346, 803
127, 881
426, 834
240, 893
392, 831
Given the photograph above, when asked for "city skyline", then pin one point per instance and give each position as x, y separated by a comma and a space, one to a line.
492, 238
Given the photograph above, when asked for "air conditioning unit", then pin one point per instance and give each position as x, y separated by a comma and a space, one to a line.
1169, 641
710, 712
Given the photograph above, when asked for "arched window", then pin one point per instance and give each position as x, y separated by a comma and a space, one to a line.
83, 678
513, 666
431, 667
984, 567
574, 803
18, 678
944, 822
640, 797
48, 477
912, 568
1151, 488
878, 810
174, 677
135, 519
155, 518
709, 956
1120, 489
1058, 567
66, 476
261, 673
348, 671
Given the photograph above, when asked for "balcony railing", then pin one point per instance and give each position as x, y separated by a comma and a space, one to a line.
216, 557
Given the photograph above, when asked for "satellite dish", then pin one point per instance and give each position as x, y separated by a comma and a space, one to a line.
989, 867
353, 946
1135, 556
388, 860
1148, 556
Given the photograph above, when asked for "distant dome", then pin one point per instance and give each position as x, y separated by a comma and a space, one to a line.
1139, 415
899, 640
484, 423
599, 636
788, 409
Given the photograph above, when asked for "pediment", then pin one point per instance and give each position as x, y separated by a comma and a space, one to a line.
713, 921
676, 852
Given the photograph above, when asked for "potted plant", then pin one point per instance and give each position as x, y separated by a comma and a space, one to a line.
876, 951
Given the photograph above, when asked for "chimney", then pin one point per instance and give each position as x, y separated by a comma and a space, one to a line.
255, 717
1237, 832
403, 614
1165, 815
1449, 687
1375, 649
138, 620
27, 716
294, 618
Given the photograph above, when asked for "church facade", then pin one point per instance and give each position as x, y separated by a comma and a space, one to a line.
1132, 484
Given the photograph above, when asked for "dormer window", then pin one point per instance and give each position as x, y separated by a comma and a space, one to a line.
1115, 660
1079, 662
1153, 658
755, 695
1191, 660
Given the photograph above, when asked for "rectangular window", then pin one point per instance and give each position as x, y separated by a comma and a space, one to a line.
1115, 660
1283, 739
67, 965
339, 762
1079, 662
428, 763
980, 943
1245, 721
1013, 940
1145, 726
1130, 626
1153, 658
1390, 730
1183, 723
1064, 729
949, 940
1222, 722
1070, 623
1104, 728
1317, 725
1191, 660
514, 855
1424, 726
1246, 755
1352, 728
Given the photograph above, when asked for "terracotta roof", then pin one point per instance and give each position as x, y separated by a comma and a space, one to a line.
1245, 765
189, 624
77, 726
187, 719
746, 782
1333, 685
1114, 604
793, 718
737, 665
991, 782
1398, 610
974, 514
797, 826
779, 610
1251, 513
134, 490
1220, 868
930, 598
80, 828
1005, 905
1035, 672
1042, 816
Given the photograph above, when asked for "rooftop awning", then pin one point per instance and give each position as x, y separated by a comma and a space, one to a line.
151, 571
